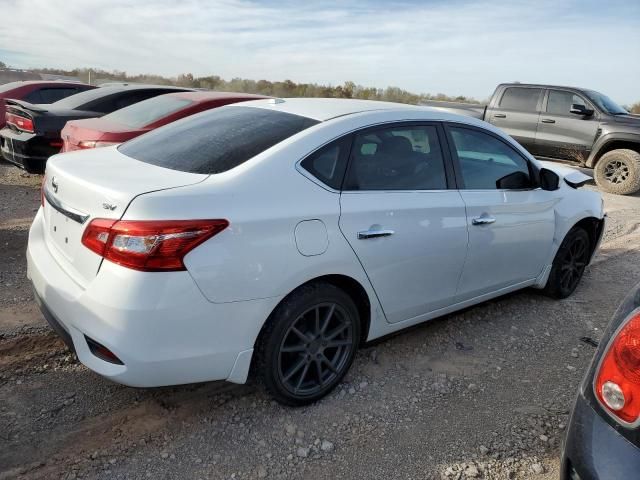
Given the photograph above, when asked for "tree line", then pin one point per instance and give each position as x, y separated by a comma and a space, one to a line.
286, 88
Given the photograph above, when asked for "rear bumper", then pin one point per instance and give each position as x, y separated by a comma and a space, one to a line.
26, 150
594, 450
159, 325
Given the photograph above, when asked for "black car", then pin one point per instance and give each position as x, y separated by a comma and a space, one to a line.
32, 133
603, 439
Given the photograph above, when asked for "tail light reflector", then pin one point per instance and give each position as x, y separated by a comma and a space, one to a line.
617, 380
21, 123
149, 246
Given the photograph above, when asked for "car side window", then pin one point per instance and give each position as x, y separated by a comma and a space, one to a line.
397, 158
521, 99
329, 163
560, 101
488, 163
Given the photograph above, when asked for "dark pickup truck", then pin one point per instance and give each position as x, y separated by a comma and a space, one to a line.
566, 124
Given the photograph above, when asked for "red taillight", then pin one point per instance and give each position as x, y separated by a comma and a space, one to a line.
21, 123
617, 381
149, 246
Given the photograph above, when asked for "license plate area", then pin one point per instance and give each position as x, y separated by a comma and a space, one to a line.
64, 232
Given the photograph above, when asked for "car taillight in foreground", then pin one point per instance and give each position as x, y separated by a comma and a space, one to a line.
149, 246
617, 381
21, 123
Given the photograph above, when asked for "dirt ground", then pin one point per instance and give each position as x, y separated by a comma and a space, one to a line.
484, 393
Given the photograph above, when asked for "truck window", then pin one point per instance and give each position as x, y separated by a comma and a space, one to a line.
521, 99
560, 102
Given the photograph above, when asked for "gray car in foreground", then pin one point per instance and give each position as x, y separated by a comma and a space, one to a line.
567, 124
603, 438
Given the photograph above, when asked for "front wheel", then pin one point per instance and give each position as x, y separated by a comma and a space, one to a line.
308, 344
618, 171
569, 264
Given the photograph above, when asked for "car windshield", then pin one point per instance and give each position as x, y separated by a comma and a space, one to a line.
605, 103
144, 113
215, 141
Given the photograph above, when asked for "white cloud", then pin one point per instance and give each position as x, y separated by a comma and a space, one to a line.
454, 47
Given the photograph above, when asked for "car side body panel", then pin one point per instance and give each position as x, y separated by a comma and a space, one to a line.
237, 278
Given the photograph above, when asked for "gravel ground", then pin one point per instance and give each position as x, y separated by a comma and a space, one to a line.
484, 393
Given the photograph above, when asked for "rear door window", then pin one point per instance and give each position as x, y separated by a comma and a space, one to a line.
397, 158
215, 141
521, 99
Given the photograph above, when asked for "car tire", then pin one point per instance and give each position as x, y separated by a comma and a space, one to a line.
569, 264
618, 171
308, 344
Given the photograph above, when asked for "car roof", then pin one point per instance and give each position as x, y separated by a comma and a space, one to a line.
542, 85
80, 99
207, 95
24, 83
323, 109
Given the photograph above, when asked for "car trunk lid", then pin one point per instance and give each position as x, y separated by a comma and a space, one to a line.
100, 183
95, 129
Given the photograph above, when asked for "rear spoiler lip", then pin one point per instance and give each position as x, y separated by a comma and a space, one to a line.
24, 105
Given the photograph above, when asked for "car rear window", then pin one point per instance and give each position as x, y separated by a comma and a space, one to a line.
215, 141
79, 100
148, 111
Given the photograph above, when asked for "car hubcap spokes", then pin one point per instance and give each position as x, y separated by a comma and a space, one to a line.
573, 265
315, 349
616, 172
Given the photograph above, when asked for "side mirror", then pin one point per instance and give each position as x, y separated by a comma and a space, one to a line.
578, 109
549, 180
514, 181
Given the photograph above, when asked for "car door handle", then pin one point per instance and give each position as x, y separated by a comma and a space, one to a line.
374, 234
548, 120
500, 115
483, 220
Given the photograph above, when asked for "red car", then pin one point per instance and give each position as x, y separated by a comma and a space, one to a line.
132, 121
38, 91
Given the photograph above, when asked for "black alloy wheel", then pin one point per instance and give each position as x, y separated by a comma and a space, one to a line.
569, 264
308, 344
315, 349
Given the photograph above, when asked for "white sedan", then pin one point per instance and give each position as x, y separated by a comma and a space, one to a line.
274, 237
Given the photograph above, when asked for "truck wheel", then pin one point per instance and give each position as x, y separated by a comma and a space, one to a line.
618, 171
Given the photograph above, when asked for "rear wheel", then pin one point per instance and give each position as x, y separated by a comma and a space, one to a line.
569, 264
618, 171
308, 344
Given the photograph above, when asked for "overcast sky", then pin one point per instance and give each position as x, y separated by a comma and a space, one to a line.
431, 46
